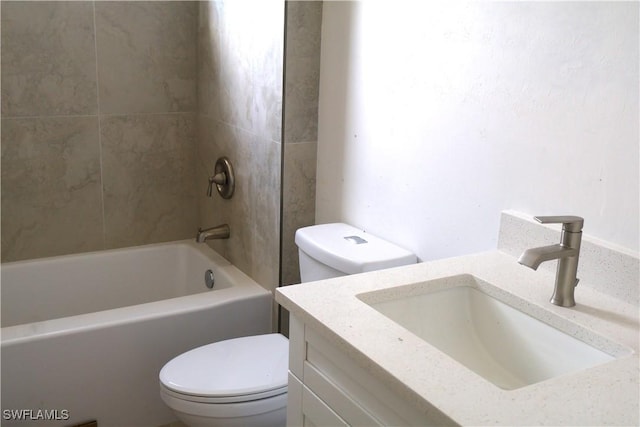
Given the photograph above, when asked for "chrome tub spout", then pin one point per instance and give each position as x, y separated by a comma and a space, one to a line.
217, 232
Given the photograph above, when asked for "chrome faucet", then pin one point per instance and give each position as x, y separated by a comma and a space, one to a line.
217, 232
567, 253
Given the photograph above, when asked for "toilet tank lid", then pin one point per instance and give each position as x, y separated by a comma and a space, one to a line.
349, 249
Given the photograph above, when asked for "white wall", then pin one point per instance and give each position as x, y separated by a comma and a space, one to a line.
434, 117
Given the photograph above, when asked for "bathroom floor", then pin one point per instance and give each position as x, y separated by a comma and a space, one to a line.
174, 424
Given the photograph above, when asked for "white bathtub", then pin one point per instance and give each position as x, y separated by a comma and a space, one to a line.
85, 336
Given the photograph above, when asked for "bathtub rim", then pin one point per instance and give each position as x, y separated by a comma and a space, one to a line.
203, 247
242, 286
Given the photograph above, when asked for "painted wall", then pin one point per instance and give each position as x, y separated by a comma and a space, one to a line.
433, 118
240, 63
98, 125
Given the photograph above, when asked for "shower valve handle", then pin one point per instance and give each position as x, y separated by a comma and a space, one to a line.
223, 177
218, 179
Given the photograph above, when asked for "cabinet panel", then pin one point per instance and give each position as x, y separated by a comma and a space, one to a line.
297, 346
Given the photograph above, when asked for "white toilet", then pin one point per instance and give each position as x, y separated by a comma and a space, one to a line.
243, 381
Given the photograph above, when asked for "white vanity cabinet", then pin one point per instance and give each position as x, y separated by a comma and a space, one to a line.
328, 388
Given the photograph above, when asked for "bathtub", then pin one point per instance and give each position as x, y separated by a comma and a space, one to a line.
84, 336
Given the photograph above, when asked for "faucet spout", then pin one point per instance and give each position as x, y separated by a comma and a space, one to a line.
534, 257
567, 254
217, 232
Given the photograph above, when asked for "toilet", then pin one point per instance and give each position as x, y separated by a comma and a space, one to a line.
243, 381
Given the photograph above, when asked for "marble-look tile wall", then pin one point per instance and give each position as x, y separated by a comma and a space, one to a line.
304, 22
98, 125
240, 66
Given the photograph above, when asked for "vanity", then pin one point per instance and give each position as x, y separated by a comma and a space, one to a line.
471, 340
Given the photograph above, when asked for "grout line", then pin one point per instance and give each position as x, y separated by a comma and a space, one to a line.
97, 114
159, 113
95, 43
52, 116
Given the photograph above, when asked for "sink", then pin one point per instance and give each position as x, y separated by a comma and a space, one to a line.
504, 345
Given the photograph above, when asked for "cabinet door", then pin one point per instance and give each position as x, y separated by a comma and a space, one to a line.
327, 388
353, 393
305, 409
316, 413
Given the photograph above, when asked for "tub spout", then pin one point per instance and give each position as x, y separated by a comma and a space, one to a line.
217, 232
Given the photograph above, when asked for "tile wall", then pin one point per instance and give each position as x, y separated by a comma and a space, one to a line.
240, 55
107, 107
304, 21
98, 125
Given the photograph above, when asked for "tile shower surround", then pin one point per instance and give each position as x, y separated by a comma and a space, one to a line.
98, 125
104, 119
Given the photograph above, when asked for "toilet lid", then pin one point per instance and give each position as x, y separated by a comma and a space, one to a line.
254, 365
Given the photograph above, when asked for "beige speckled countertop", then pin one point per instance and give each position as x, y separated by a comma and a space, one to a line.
606, 394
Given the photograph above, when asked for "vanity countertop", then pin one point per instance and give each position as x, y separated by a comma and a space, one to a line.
606, 394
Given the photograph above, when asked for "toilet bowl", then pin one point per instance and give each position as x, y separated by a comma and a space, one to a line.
243, 381
236, 382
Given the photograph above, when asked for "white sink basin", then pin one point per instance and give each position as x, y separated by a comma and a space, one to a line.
504, 345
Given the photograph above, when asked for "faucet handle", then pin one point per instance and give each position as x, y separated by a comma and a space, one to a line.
218, 179
570, 223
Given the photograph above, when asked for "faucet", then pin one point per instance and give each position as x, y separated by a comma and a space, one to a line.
217, 232
567, 253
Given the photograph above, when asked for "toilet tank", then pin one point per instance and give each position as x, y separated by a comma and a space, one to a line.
333, 250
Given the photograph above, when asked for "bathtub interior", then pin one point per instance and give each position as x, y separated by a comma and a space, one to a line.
57, 287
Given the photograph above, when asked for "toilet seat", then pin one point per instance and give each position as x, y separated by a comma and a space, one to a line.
224, 410
223, 399
231, 371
